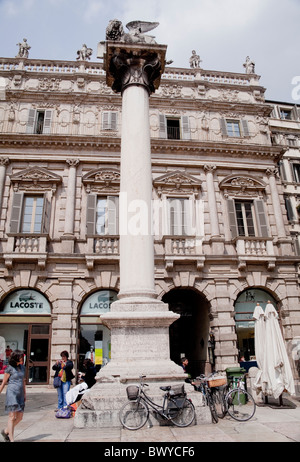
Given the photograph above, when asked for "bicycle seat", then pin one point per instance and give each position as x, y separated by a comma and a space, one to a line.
167, 388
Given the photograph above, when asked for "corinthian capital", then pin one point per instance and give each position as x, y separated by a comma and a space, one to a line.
134, 64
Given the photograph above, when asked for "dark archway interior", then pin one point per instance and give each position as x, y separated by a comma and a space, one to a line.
189, 334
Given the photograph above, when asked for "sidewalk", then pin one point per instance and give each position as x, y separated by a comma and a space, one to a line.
40, 425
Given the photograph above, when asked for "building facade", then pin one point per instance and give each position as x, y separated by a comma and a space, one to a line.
223, 240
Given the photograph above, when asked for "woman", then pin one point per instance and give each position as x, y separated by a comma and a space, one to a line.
14, 377
63, 369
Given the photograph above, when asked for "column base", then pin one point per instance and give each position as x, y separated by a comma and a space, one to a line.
101, 404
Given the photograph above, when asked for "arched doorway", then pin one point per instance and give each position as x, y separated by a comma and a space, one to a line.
25, 324
189, 334
94, 337
244, 322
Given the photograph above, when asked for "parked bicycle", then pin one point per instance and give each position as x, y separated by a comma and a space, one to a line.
175, 407
236, 400
213, 398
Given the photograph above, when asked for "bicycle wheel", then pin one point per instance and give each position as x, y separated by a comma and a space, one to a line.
220, 404
183, 415
134, 414
240, 404
212, 407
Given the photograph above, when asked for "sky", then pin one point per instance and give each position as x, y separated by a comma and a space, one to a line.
223, 33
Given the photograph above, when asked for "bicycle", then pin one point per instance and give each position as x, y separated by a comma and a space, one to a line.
237, 401
176, 407
209, 395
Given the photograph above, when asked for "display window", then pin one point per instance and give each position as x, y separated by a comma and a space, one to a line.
244, 309
25, 324
94, 338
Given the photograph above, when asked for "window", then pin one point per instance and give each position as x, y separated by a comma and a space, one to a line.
234, 128
244, 217
109, 120
247, 218
32, 214
179, 216
296, 172
39, 121
103, 215
174, 128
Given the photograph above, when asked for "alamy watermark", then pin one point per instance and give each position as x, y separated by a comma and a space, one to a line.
296, 89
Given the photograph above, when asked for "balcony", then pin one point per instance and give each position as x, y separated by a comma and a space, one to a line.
178, 249
101, 249
26, 247
255, 249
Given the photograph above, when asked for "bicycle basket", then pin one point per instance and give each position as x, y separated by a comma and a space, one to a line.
178, 390
132, 392
216, 381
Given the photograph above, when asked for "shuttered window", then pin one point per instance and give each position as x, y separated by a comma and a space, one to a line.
39, 121
30, 214
234, 128
179, 216
247, 218
174, 128
103, 215
109, 120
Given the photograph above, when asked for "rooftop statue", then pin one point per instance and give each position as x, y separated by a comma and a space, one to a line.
195, 60
115, 31
250, 66
84, 53
23, 49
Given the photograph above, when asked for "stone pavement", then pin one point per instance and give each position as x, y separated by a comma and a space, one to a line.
40, 425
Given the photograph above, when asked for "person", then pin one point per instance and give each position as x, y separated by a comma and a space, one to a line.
14, 377
63, 369
89, 373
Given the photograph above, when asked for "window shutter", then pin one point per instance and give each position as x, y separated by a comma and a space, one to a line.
245, 128
232, 218
46, 216
15, 219
31, 121
105, 121
282, 170
113, 120
261, 218
113, 215
47, 122
289, 208
223, 127
91, 214
109, 120
186, 134
162, 126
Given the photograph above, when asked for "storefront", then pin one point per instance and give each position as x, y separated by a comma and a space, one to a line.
94, 337
25, 324
244, 309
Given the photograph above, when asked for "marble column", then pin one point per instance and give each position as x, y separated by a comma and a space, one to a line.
139, 322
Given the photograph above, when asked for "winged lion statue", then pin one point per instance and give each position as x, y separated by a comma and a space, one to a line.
136, 34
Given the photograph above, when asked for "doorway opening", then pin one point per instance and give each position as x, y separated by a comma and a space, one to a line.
189, 335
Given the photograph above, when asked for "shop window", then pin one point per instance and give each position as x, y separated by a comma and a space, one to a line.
244, 309
103, 215
94, 337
